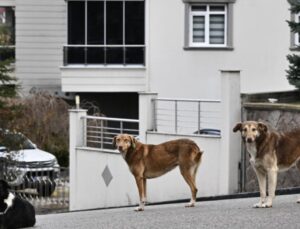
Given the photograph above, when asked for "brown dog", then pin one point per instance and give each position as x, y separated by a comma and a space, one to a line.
270, 152
150, 161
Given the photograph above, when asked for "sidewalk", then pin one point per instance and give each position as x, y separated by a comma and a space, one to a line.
230, 213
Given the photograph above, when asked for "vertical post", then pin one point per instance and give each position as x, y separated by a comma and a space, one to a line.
146, 114
199, 116
76, 139
65, 55
121, 127
102, 134
154, 102
84, 130
230, 152
176, 117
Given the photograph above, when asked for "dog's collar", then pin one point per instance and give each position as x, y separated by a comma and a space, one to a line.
8, 202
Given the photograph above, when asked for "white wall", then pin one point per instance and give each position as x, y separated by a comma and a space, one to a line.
261, 41
90, 191
40, 34
208, 178
7, 3
109, 79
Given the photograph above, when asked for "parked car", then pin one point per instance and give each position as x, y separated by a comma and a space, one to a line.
27, 167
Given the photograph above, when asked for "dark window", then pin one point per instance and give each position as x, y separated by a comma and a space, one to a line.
134, 23
76, 23
114, 56
134, 55
75, 55
114, 32
95, 25
114, 23
95, 55
7, 33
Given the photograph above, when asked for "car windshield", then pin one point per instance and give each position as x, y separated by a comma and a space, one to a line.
15, 141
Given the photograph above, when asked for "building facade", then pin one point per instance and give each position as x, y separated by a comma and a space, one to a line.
111, 51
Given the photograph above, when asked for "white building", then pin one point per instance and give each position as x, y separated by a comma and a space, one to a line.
112, 50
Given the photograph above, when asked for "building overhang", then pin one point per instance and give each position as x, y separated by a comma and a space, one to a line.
85, 78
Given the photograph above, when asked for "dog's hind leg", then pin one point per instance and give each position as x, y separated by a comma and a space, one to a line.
145, 190
272, 183
189, 176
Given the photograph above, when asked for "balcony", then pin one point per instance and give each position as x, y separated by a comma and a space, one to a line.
100, 68
104, 55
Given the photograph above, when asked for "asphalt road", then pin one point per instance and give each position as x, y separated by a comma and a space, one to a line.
234, 213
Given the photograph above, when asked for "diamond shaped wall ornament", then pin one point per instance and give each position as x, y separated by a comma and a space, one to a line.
107, 176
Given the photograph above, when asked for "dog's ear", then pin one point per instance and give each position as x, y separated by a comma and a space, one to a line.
262, 127
238, 127
133, 142
114, 142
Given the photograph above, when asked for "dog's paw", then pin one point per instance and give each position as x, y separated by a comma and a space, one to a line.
268, 205
259, 205
262, 205
190, 205
139, 209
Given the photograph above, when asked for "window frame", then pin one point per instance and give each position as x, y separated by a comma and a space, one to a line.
206, 14
188, 32
296, 42
12, 46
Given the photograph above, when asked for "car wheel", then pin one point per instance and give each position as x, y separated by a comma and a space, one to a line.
45, 188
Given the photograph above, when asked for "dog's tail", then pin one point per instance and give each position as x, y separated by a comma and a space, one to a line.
198, 159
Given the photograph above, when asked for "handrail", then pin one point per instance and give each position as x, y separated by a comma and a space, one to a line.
188, 100
110, 119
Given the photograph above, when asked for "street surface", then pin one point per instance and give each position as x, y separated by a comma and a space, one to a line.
234, 213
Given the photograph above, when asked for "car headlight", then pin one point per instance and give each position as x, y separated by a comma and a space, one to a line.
55, 163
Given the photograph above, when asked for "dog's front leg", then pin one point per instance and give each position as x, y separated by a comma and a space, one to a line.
272, 182
145, 190
140, 184
261, 177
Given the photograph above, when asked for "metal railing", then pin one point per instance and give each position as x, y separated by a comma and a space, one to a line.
46, 188
104, 54
187, 116
100, 131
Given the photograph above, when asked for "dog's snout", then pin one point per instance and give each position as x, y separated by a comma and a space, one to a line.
120, 148
249, 140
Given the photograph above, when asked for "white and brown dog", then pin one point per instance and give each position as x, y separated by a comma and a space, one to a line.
270, 152
150, 161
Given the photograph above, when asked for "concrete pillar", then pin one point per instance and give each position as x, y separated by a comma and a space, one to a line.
76, 134
146, 114
230, 152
